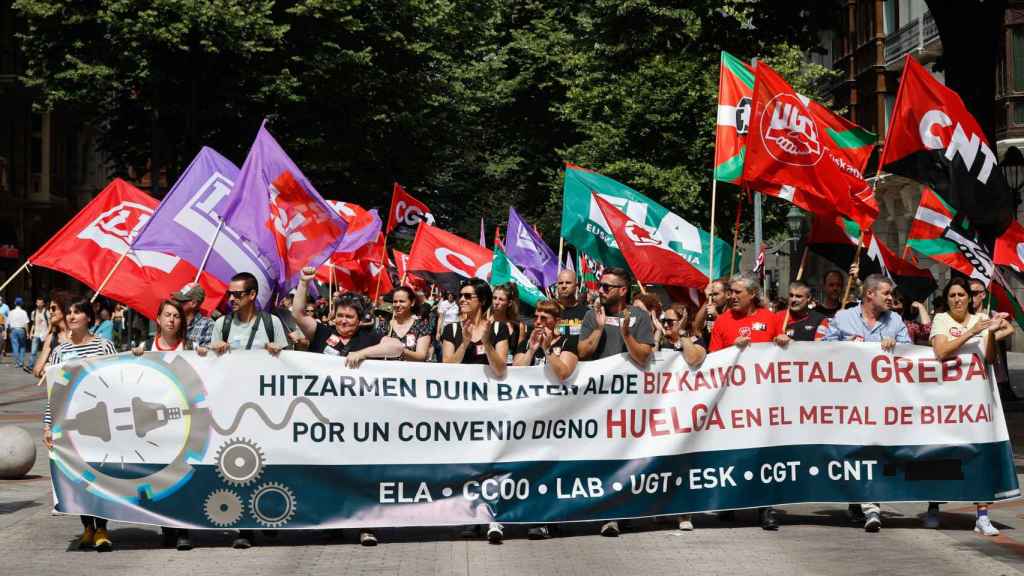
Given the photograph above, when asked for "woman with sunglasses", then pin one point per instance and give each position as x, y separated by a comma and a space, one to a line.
80, 344
59, 303
961, 324
545, 346
477, 339
652, 304
410, 329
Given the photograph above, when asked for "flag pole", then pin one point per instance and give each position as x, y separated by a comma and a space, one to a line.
561, 245
714, 197
110, 275
209, 249
330, 289
15, 275
849, 278
383, 265
736, 232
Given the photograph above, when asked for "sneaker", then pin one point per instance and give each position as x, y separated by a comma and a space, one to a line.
856, 513
244, 540
685, 523
368, 538
495, 533
768, 520
984, 526
931, 518
87, 540
538, 533
610, 529
168, 536
184, 542
102, 541
726, 515
872, 522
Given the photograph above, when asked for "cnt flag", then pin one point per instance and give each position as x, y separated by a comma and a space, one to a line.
937, 233
406, 213
934, 139
277, 210
447, 260
651, 261
789, 146
91, 244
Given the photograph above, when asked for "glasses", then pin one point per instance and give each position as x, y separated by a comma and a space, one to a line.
237, 294
605, 287
310, 311
665, 320
977, 292
466, 296
53, 308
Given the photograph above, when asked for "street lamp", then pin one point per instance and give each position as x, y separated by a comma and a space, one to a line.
1013, 169
795, 224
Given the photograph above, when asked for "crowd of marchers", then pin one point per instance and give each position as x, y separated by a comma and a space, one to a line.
480, 324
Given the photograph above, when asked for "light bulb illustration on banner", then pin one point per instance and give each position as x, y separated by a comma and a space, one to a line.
148, 449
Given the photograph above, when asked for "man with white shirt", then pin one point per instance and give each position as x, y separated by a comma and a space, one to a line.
17, 325
39, 327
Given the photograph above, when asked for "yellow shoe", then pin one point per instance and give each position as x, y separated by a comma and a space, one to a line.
88, 539
102, 541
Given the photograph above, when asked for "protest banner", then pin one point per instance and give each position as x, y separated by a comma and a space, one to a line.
299, 441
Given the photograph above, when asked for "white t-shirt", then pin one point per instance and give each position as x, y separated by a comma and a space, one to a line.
449, 312
944, 325
41, 323
17, 318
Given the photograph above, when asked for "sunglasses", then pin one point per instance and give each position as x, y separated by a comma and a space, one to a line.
237, 293
605, 287
977, 292
466, 296
310, 310
665, 320
54, 308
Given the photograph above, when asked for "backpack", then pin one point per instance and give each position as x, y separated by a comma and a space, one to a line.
261, 316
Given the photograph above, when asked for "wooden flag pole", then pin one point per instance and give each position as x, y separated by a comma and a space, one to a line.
849, 278
15, 275
561, 245
110, 275
330, 289
714, 197
209, 249
736, 233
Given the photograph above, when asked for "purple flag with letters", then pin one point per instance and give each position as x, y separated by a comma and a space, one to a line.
279, 212
186, 223
527, 250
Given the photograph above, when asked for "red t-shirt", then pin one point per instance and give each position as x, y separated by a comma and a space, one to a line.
760, 326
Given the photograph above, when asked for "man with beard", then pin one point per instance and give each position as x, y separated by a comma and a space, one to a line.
717, 294
803, 324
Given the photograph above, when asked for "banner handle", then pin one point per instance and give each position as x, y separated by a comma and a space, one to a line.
209, 249
15, 275
110, 275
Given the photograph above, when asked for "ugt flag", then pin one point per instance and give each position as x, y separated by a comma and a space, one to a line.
504, 271
651, 261
934, 139
447, 260
937, 233
406, 213
186, 223
278, 211
585, 227
89, 246
527, 250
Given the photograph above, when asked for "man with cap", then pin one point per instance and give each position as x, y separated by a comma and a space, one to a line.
200, 328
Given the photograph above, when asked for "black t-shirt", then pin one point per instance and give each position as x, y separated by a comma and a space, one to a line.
570, 322
475, 353
807, 329
561, 344
327, 341
678, 345
820, 308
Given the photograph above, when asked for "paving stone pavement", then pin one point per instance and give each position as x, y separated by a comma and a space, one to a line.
814, 539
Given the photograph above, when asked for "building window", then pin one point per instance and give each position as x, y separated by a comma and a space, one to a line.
1018, 113
1017, 54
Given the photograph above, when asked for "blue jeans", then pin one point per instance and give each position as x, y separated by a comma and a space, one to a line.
37, 346
18, 341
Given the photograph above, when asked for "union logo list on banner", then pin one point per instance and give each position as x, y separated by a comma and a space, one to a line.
252, 441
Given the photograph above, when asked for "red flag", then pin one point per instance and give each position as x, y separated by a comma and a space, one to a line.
302, 228
402, 268
445, 259
789, 146
933, 139
406, 211
651, 261
89, 246
1009, 249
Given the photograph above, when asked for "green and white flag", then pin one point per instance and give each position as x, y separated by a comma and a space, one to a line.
503, 270
584, 227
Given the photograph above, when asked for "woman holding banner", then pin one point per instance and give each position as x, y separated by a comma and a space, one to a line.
478, 339
81, 344
962, 324
411, 330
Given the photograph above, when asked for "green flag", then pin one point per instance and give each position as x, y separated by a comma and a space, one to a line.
584, 227
502, 271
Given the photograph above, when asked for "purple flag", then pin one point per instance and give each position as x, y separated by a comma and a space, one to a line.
278, 211
527, 250
186, 223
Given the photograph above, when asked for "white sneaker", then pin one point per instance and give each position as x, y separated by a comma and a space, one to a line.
984, 526
610, 529
495, 533
685, 523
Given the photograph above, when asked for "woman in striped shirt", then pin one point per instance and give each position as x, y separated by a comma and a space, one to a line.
81, 344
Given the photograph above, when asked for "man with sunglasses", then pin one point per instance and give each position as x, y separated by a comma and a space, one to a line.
249, 329
199, 329
613, 327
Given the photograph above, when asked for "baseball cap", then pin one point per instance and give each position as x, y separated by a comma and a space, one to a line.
189, 292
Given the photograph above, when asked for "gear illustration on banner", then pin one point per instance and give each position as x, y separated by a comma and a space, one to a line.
240, 462
223, 508
272, 505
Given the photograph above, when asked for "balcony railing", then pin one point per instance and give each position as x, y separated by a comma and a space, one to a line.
914, 36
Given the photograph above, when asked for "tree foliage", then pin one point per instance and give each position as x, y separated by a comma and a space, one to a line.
473, 106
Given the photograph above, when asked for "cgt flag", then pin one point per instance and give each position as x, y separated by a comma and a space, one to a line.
651, 261
936, 232
90, 245
406, 213
277, 210
790, 147
527, 250
445, 259
934, 139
